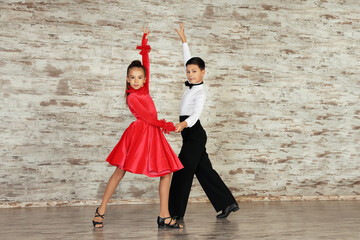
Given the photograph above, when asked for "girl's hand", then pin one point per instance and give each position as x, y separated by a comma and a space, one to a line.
181, 32
146, 30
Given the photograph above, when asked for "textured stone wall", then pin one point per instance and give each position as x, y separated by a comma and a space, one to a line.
282, 115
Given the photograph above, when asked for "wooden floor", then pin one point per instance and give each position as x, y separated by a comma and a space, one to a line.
259, 220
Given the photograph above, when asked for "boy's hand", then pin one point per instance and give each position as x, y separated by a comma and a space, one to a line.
146, 30
180, 126
181, 32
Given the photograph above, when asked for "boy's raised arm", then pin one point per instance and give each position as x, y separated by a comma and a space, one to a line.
181, 32
186, 50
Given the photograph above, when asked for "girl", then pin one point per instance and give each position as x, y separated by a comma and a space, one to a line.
142, 149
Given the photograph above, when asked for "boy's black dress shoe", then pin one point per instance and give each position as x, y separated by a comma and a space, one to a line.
231, 208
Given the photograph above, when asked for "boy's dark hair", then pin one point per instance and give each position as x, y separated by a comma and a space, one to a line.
196, 61
135, 64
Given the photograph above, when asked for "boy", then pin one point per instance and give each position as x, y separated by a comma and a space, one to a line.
193, 152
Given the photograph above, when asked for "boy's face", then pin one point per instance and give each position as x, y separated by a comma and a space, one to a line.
194, 74
136, 78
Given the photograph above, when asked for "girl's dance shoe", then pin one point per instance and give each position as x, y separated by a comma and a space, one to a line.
161, 223
97, 214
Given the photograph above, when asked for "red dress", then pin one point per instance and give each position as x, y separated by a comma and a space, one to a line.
143, 148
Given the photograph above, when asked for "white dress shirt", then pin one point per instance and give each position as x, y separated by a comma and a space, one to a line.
193, 100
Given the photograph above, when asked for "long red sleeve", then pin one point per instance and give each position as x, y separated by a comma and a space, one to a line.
145, 49
140, 111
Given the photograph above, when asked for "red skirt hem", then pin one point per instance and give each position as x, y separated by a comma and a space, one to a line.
150, 173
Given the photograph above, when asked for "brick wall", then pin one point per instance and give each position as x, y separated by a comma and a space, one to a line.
282, 115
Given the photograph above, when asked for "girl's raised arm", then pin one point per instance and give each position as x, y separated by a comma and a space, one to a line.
145, 49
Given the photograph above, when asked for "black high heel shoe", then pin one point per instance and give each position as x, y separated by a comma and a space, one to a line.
97, 214
231, 208
161, 223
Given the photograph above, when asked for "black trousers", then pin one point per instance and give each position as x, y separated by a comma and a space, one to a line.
196, 161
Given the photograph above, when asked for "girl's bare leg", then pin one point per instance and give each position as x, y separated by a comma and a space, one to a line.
109, 191
164, 189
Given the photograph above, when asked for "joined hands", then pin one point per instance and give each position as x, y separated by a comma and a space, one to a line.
180, 126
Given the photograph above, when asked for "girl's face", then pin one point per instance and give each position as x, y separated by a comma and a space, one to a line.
136, 78
194, 74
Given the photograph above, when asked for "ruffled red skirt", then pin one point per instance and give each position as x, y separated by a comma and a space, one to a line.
143, 149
